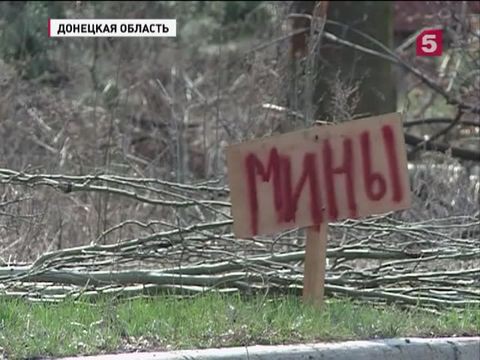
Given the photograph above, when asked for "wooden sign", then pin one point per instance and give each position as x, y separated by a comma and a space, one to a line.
318, 175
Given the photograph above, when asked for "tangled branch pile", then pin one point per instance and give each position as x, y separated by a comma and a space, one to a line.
391, 258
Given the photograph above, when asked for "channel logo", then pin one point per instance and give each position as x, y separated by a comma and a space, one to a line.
430, 43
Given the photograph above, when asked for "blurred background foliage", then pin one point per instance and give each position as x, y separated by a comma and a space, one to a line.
24, 40
175, 84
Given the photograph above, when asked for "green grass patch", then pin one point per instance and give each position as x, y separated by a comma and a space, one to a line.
73, 328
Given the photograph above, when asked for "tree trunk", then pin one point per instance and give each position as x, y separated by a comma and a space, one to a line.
374, 76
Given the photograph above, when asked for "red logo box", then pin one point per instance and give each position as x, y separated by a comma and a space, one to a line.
430, 42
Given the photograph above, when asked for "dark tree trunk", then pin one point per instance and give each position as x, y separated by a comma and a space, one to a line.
375, 77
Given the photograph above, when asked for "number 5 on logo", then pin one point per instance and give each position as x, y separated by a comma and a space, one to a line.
430, 43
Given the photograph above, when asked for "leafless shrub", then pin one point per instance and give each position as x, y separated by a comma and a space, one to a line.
344, 99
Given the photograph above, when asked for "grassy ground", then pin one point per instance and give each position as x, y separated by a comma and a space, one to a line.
30, 329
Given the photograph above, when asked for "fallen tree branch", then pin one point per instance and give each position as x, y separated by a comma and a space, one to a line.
430, 121
437, 135
463, 154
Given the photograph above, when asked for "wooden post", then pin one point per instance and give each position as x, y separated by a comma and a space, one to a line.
315, 260
315, 264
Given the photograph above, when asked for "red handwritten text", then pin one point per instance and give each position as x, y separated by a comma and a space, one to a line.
324, 168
